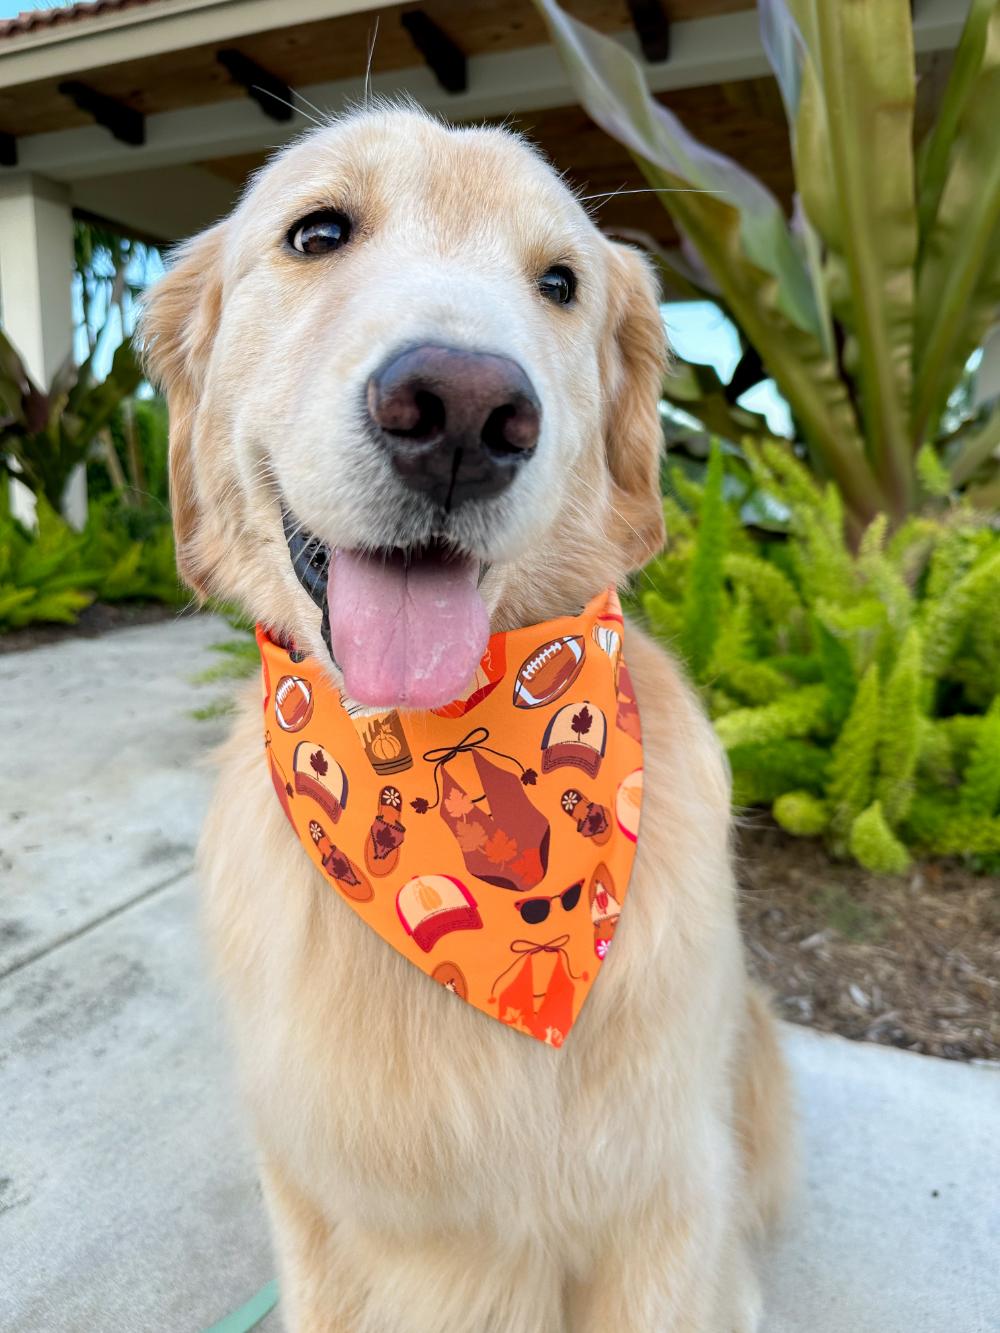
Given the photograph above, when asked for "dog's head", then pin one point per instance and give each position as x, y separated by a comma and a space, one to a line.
409, 383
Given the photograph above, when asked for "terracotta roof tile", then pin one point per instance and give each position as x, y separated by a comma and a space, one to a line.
35, 20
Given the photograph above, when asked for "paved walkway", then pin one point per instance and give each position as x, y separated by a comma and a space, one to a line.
128, 1200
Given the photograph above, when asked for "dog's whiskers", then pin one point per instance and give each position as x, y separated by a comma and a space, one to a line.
614, 194
368, 67
268, 92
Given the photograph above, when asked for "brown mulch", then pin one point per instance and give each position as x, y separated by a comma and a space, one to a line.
910, 961
98, 618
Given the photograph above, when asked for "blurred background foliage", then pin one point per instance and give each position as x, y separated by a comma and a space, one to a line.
867, 304
834, 594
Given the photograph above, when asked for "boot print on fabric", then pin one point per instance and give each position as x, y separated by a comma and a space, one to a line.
341, 869
387, 833
593, 820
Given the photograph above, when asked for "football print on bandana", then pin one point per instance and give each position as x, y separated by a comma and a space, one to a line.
491, 841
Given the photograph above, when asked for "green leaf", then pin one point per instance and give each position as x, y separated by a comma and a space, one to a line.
958, 279
853, 762
704, 594
740, 234
964, 82
801, 814
974, 448
933, 475
874, 845
980, 791
853, 159
900, 731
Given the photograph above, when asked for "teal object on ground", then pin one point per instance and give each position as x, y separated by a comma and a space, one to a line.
249, 1316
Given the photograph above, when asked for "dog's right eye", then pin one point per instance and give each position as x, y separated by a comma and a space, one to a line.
320, 233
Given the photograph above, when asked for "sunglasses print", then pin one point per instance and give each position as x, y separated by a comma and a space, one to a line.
536, 910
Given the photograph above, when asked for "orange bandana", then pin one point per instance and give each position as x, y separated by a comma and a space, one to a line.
491, 841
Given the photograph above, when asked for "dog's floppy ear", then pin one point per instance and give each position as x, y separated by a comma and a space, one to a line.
636, 356
180, 317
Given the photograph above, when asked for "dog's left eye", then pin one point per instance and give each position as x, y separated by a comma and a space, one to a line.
319, 233
558, 284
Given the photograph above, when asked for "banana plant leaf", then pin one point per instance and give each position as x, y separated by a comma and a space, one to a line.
854, 167
958, 280
963, 84
612, 88
975, 448
740, 234
90, 405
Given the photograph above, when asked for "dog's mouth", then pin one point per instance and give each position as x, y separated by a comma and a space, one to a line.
406, 627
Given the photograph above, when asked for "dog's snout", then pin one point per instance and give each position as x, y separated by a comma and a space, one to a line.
457, 424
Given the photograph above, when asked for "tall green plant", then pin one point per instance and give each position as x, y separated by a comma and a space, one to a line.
857, 693
866, 308
46, 434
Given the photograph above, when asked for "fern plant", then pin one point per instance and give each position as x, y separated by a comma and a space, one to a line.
52, 573
856, 692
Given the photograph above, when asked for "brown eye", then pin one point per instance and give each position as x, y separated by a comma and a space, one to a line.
320, 233
558, 284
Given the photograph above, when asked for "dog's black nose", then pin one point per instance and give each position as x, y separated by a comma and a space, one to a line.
457, 424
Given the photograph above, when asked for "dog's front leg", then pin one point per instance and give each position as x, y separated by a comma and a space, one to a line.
671, 1267
303, 1240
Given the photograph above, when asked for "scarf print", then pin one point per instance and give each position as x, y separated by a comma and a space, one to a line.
491, 841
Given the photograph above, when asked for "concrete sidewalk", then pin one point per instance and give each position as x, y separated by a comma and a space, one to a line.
128, 1198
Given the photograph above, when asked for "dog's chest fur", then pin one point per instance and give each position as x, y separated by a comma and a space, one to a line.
391, 1101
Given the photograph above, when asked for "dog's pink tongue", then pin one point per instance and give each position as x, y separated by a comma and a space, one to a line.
408, 636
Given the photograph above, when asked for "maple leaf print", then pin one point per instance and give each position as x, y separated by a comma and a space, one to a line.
339, 867
458, 804
319, 764
420, 805
500, 848
529, 777
582, 721
528, 866
470, 837
595, 821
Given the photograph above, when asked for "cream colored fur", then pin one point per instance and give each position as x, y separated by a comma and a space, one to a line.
426, 1169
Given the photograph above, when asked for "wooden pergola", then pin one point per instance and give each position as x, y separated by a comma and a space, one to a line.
149, 114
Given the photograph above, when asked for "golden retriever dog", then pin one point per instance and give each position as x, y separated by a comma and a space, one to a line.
427, 1170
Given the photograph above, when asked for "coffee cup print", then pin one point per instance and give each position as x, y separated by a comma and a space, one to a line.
384, 739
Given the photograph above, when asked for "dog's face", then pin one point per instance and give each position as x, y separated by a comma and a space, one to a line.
411, 384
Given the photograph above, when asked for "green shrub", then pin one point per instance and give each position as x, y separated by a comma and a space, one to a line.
52, 573
857, 693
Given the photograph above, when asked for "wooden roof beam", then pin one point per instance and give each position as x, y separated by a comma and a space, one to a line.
272, 96
126, 125
445, 59
652, 27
